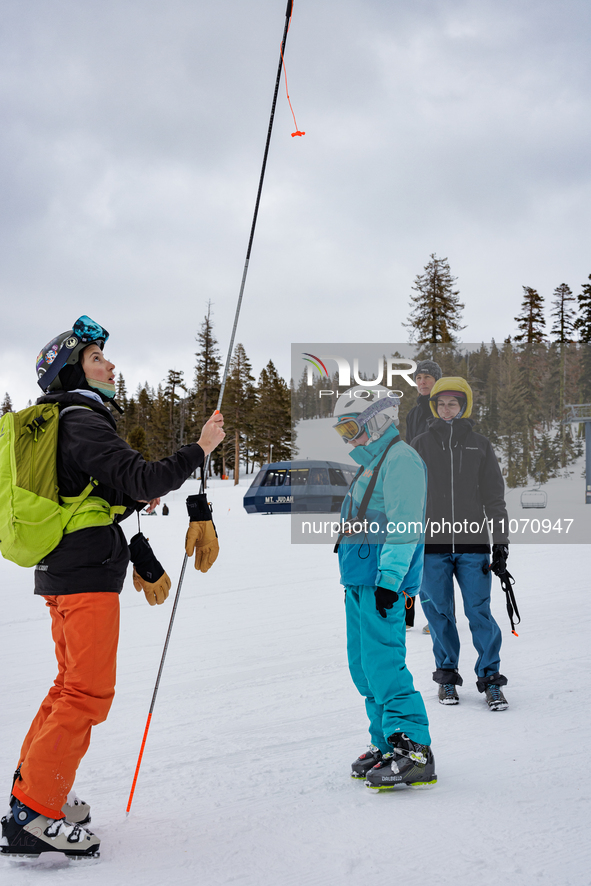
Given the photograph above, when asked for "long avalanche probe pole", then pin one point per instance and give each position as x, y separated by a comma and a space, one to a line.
155, 693
288, 12
222, 388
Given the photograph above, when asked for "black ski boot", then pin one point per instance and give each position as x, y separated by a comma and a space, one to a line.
409, 764
365, 762
27, 834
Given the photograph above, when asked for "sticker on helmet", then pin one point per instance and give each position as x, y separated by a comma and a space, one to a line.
51, 354
71, 343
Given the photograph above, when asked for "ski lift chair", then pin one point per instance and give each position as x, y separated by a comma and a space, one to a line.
534, 498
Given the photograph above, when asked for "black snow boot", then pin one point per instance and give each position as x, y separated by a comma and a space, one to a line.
365, 762
448, 694
28, 834
409, 764
491, 685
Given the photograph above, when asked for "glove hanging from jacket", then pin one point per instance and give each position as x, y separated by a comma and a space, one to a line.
148, 573
201, 538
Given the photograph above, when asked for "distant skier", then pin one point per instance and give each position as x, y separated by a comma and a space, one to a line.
80, 580
381, 567
165, 510
465, 491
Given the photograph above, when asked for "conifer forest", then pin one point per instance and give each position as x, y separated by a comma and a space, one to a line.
523, 387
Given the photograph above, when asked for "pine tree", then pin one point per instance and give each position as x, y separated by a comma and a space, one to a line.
531, 320
564, 315
121, 390
158, 431
207, 371
6, 405
513, 424
544, 465
237, 408
174, 381
137, 440
583, 326
272, 417
487, 368
436, 311
123, 425
563, 329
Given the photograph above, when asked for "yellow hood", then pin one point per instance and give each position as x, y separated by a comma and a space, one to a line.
452, 383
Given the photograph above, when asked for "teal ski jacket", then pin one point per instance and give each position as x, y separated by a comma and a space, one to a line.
389, 549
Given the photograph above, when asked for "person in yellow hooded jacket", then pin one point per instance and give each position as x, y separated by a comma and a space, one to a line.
465, 507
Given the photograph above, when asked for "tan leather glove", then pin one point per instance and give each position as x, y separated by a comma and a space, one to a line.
202, 539
157, 592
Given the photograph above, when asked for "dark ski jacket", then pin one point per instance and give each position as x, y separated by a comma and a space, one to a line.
465, 489
418, 418
96, 558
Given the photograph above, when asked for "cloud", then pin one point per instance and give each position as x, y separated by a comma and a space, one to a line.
132, 144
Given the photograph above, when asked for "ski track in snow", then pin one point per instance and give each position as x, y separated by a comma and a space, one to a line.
245, 775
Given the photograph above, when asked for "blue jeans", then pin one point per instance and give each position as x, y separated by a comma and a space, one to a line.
376, 649
437, 600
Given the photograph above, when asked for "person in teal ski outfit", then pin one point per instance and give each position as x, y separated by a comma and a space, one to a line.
381, 564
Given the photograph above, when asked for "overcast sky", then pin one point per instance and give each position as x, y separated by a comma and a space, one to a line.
131, 143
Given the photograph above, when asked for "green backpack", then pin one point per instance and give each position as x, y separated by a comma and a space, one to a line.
32, 519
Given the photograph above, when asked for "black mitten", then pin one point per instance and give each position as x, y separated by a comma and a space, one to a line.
144, 559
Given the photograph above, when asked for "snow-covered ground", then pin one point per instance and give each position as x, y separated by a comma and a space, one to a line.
245, 775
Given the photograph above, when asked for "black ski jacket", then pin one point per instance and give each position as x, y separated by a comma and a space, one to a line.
418, 418
465, 489
96, 559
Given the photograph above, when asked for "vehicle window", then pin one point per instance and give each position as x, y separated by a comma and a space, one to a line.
318, 477
337, 478
299, 476
258, 479
276, 477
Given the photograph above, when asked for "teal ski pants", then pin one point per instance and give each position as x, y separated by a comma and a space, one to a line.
376, 649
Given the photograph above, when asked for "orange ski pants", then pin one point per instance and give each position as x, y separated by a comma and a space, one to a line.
85, 630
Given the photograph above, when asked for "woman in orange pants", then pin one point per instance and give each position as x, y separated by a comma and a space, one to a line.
85, 630
81, 580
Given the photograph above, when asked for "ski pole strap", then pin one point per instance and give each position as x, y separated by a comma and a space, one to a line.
360, 517
507, 582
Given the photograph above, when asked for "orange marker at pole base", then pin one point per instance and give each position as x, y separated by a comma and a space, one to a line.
139, 763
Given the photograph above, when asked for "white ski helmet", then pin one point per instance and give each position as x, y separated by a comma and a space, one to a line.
369, 409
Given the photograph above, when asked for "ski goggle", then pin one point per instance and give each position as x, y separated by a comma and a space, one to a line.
349, 428
87, 331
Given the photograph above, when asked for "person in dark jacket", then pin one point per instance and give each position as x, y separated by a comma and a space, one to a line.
80, 581
426, 374
465, 504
